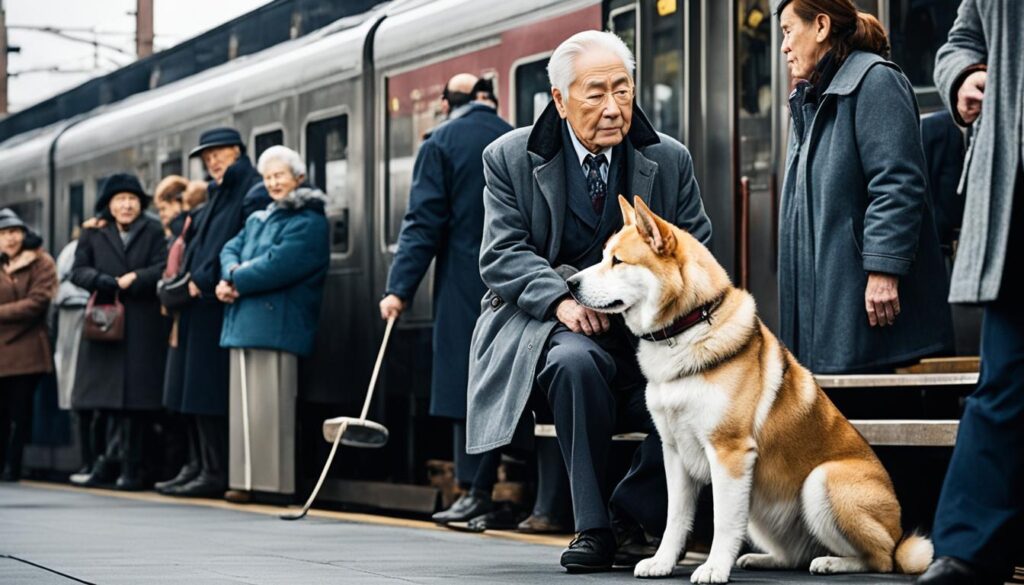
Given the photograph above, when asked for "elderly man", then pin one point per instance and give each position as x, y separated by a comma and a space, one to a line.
550, 207
445, 219
197, 374
980, 513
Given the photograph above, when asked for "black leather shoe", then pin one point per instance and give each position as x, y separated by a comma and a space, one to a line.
543, 524
591, 551
203, 486
951, 571
103, 474
633, 546
129, 483
469, 505
187, 473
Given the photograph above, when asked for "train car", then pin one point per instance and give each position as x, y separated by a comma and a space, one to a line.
356, 99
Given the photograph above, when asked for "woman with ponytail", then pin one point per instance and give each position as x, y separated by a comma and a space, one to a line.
862, 284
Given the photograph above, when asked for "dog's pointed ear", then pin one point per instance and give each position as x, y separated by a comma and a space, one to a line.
627, 211
655, 230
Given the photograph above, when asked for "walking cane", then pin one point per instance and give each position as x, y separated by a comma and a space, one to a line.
245, 424
354, 432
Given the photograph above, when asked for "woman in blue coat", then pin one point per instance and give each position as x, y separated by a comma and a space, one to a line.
272, 277
862, 284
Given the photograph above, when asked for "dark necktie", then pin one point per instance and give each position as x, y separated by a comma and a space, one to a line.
596, 187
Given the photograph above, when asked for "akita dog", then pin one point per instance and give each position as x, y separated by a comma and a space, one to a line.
734, 408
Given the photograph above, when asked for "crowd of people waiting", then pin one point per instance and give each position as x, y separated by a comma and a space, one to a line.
159, 317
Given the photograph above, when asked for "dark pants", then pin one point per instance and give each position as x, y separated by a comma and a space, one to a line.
479, 472
213, 445
15, 419
594, 388
980, 517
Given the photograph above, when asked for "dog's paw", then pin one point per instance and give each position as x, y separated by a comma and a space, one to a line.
709, 573
834, 565
653, 567
757, 561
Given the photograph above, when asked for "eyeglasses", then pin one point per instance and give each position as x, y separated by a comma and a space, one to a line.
623, 97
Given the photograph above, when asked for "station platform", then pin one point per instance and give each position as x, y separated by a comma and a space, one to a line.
55, 534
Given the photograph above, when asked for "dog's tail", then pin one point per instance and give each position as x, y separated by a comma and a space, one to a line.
913, 554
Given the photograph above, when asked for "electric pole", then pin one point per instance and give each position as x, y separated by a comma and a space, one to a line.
144, 28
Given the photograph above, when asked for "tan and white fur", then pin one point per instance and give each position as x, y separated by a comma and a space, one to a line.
734, 408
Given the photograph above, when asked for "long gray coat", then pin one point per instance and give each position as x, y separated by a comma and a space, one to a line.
855, 201
524, 212
986, 32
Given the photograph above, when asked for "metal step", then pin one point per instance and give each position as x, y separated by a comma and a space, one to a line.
889, 433
895, 380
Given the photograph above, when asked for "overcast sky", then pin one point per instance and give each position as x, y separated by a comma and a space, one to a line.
174, 21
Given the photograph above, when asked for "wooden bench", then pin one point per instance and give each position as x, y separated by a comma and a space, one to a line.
878, 432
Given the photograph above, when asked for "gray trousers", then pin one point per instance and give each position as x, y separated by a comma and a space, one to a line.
269, 391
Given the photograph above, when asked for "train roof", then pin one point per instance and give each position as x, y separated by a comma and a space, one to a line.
336, 50
413, 25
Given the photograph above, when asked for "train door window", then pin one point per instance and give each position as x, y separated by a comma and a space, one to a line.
662, 71
532, 90
916, 31
171, 165
755, 55
327, 169
266, 140
411, 112
622, 20
76, 208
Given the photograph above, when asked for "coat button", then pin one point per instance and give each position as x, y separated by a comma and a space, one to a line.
529, 346
495, 302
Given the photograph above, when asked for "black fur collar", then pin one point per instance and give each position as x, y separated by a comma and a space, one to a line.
546, 137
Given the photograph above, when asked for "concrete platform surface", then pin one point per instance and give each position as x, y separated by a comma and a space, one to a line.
55, 534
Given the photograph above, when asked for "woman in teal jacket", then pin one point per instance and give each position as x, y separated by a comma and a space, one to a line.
272, 280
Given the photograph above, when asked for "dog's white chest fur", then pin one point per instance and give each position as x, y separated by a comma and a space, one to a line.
686, 411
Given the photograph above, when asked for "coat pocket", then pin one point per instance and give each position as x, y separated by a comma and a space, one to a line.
856, 236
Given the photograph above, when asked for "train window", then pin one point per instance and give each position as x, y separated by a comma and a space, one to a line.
266, 140
533, 91
327, 169
622, 21
171, 165
664, 72
754, 91
76, 208
916, 31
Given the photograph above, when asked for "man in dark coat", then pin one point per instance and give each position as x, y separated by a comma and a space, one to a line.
126, 376
445, 219
198, 384
978, 522
944, 152
549, 207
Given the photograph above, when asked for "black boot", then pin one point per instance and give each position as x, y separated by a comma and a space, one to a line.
192, 466
103, 474
212, 481
132, 427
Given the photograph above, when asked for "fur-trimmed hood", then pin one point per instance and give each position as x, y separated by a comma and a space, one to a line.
24, 259
305, 197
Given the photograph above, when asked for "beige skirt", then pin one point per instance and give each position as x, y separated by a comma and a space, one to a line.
267, 392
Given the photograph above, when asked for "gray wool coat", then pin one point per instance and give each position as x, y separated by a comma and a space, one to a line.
855, 201
524, 211
986, 32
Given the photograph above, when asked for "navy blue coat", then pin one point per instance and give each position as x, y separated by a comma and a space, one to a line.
445, 219
278, 263
199, 384
944, 150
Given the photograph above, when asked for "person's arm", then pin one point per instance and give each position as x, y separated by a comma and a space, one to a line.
424, 224
42, 289
690, 214
231, 253
964, 53
510, 264
83, 273
301, 250
888, 137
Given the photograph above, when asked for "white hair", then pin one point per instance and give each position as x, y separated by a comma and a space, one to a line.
562, 65
285, 155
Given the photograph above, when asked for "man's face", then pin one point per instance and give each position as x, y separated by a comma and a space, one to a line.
218, 158
11, 240
600, 101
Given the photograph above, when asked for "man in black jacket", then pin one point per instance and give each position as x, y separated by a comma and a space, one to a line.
445, 220
197, 374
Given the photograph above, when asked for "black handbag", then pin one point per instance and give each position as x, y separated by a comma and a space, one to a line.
173, 292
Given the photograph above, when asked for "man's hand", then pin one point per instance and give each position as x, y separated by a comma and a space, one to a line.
126, 280
881, 299
391, 307
970, 96
580, 319
226, 292
193, 290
